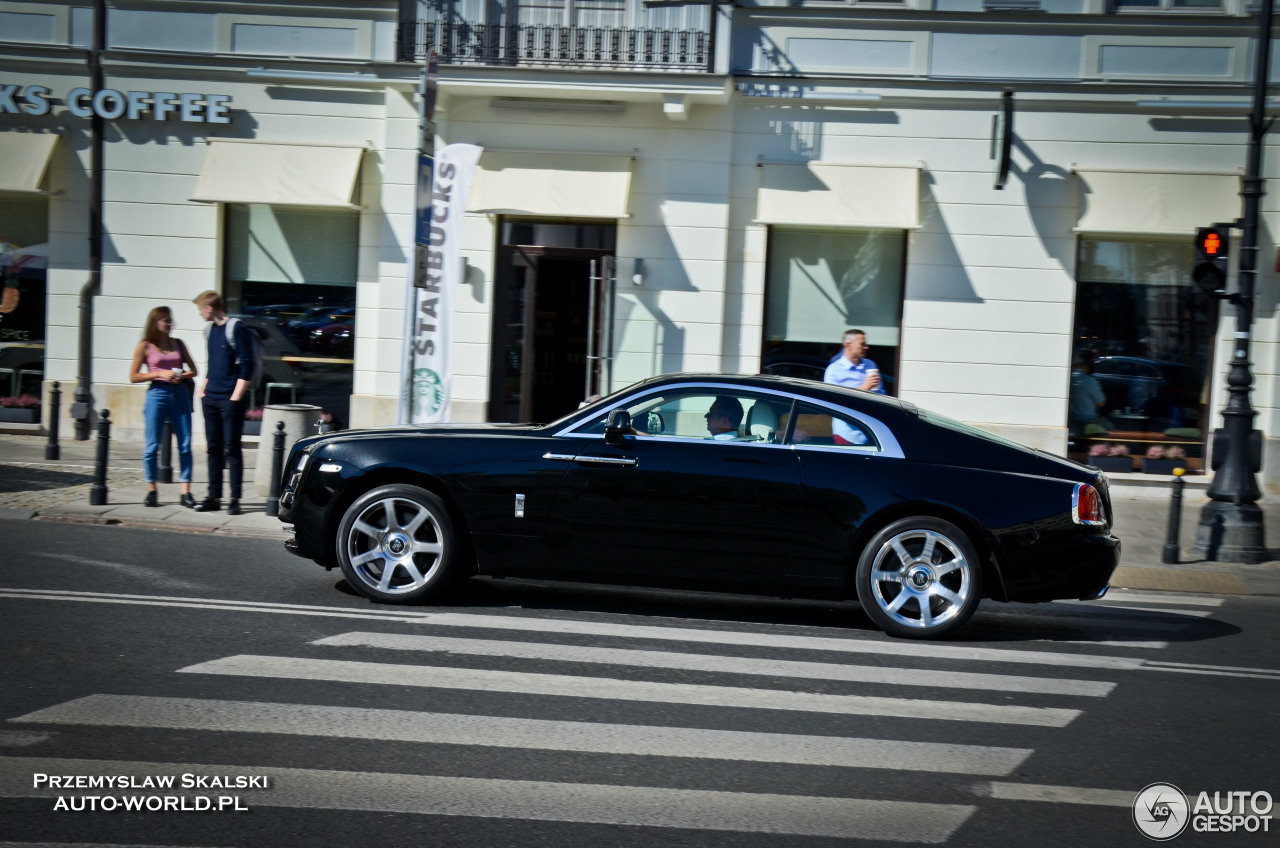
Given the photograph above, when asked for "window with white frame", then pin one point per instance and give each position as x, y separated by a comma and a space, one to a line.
822, 282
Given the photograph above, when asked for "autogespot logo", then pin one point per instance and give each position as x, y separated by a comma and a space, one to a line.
1161, 811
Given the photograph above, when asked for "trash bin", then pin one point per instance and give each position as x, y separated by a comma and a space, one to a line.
299, 420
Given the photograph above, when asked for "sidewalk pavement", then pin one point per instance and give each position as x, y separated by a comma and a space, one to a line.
32, 487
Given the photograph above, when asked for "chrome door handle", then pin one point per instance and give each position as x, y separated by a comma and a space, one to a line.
589, 460
605, 460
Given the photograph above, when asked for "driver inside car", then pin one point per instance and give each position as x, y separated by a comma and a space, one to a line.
724, 417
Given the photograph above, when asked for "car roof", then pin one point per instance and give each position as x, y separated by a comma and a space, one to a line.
797, 385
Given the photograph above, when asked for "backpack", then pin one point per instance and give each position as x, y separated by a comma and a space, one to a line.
256, 353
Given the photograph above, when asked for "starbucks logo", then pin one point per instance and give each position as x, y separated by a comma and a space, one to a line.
428, 393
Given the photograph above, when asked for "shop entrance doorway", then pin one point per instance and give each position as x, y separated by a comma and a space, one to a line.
552, 314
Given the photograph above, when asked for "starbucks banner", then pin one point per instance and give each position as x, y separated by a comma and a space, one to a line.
435, 280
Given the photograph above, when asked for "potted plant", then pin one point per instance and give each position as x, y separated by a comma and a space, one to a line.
253, 421
1110, 457
24, 409
1159, 460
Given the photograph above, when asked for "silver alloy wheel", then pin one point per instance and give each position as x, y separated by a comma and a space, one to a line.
395, 545
921, 578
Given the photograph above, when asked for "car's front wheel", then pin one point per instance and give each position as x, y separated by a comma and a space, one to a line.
397, 544
919, 578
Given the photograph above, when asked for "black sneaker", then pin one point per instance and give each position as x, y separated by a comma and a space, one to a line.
187, 501
234, 507
208, 505
152, 499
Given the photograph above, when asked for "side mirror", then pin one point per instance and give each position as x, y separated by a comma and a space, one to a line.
617, 428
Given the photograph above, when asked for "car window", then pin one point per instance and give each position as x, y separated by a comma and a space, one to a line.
711, 414
1109, 366
818, 426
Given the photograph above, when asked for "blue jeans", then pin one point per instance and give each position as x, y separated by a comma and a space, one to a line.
167, 402
223, 426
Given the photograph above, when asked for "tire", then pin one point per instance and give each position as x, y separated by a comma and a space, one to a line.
397, 545
919, 578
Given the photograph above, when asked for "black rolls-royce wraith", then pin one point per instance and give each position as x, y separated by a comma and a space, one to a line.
766, 485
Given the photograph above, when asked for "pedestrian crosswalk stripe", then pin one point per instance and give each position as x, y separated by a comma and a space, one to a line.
842, 644
849, 644
895, 676
528, 733
1112, 643
526, 683
688, 809
1056, 794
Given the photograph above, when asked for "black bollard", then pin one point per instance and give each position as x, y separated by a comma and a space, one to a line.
277, 468
52, 450
98, 491
1171, 548
165, 471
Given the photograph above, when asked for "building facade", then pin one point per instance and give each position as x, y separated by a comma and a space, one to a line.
675, 188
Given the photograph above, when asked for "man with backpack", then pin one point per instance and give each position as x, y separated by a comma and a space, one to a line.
223, 396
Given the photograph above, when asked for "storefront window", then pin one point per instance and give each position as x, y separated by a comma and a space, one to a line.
24, 262
291, 276
821, 283
1143, 350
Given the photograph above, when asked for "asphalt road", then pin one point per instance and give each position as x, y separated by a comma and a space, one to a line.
528, 714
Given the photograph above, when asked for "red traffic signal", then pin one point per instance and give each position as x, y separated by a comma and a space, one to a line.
1213, 252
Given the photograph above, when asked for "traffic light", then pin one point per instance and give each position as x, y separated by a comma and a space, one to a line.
1213, 251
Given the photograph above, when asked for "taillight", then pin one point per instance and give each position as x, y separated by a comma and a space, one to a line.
1086, 506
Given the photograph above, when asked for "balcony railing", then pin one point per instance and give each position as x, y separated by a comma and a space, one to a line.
555, 46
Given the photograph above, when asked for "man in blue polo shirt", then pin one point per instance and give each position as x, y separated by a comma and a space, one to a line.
224, 398
854, 370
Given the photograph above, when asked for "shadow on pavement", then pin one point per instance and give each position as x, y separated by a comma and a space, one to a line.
994, 622
16, 478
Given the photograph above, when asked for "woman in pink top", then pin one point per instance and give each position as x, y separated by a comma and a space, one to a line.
170, 371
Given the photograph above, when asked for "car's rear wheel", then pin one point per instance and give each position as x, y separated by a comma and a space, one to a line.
397, 544
919, 578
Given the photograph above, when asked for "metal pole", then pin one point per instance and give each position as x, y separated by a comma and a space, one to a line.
1231, 528
609, 281
1175, 518
166, 453
98, 491
82, 409
417, 251
53, 450
591, 329
277, 468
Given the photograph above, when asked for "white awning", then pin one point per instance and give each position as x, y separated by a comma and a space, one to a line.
1153, 203
24, 157
567, 185
822, 194
278, 174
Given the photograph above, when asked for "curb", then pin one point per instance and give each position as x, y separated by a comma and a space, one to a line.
144, 524
1192, 580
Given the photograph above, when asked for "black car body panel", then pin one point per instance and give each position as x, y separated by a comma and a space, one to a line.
749, 517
